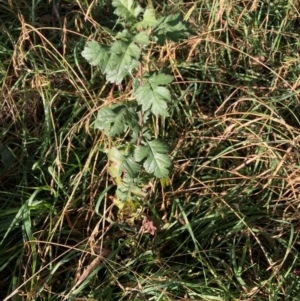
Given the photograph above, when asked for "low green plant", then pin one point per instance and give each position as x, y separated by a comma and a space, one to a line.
143, 154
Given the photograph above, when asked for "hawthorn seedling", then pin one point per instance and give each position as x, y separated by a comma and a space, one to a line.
144, 155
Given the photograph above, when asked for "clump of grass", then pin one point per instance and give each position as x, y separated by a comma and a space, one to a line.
227, 225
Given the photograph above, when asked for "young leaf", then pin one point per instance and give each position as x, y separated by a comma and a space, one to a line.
105, 118
160, 79
127, 188
116, 119
125, 56
125, 35
126, 117
96, 54
149, 19
126, 8
172, 27
130, 189
152, 96
141, 38
123, 163
131, 167
157, 160
130, 192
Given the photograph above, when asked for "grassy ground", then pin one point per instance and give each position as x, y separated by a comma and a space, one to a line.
228, 223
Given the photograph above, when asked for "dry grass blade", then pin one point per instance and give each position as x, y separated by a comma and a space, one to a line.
101, 254
228, 215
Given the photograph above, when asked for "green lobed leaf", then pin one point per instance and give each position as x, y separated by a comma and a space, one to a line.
124, 35
126, 8
96, 54
116, 119
154, 97
141, 38
125, 118
120, 59
172, 27
105, 118
155, 154
118, 74
160, 79
124, 56
133, 187
122, 163
129, 190
141, 152
132, 167
149, 19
